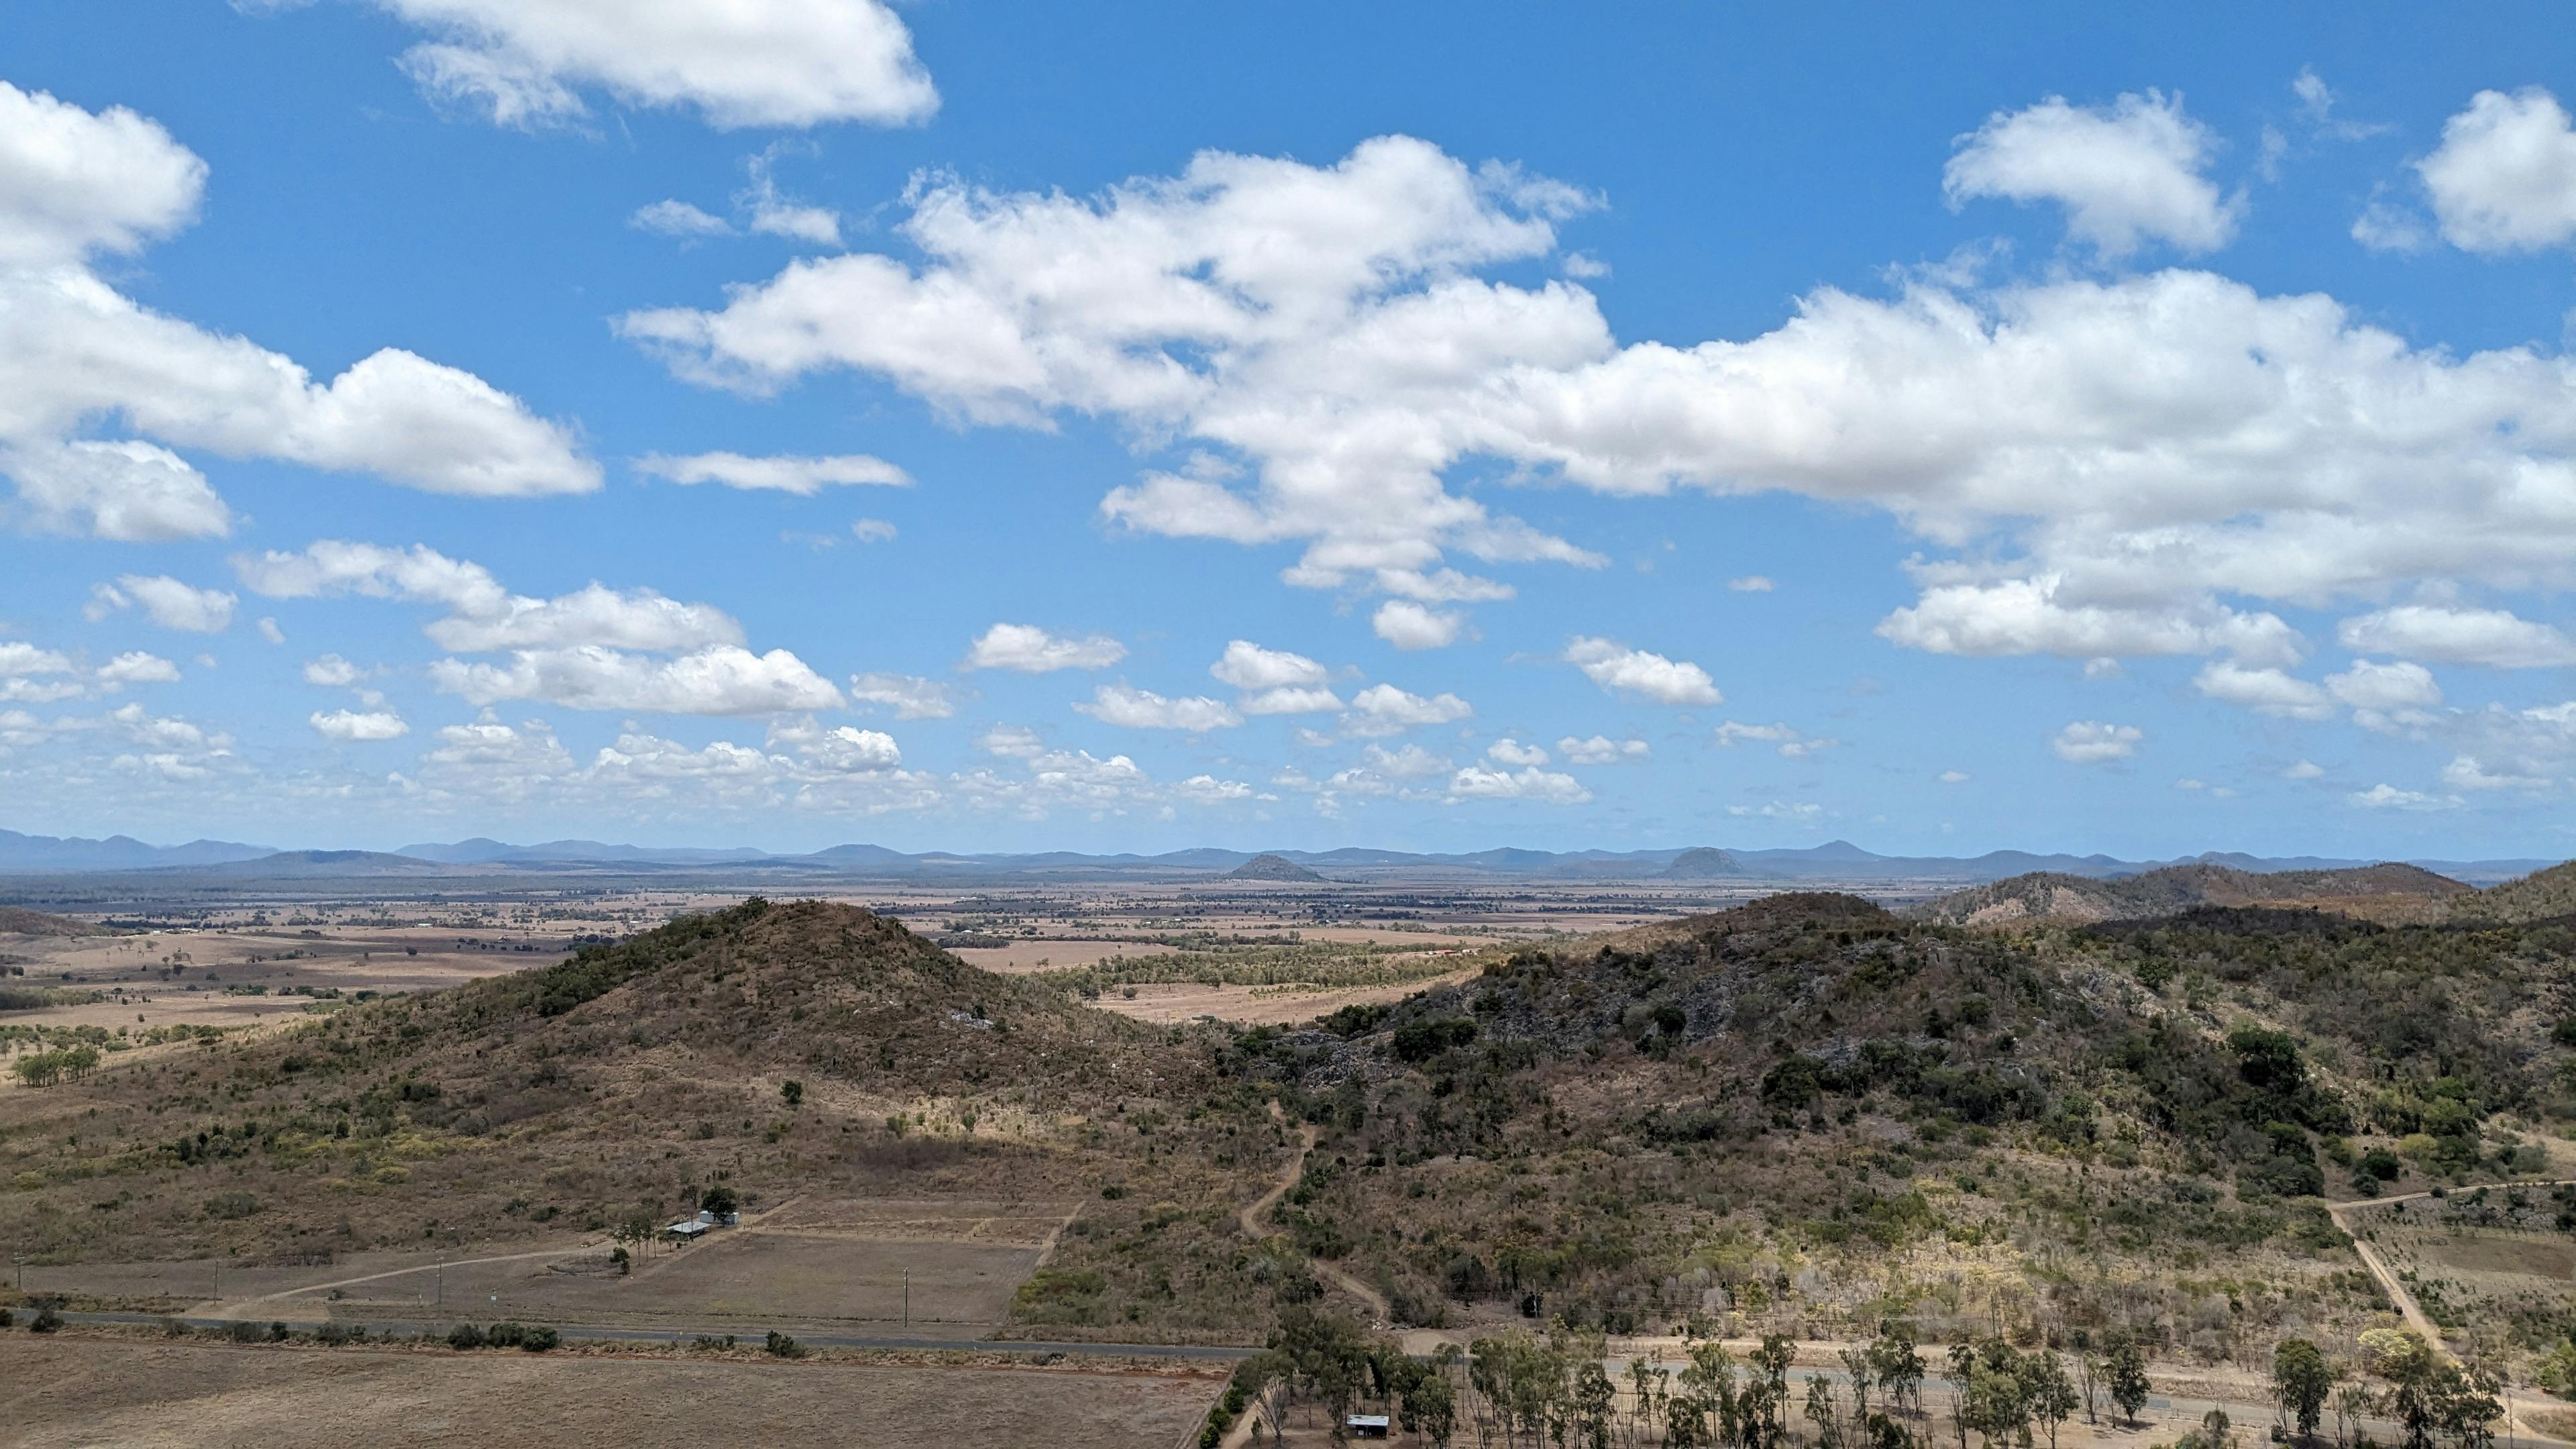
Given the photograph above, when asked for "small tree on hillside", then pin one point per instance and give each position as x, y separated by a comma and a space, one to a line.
2046, 1390
2126, 1369
1898, 1367
2301, 1382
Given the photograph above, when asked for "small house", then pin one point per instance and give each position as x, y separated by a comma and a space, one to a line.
1365, 1426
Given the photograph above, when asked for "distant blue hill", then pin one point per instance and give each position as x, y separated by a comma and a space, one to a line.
117, 852
1835, 860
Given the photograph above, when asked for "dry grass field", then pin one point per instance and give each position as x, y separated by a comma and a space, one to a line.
1168, 1002
85, 1390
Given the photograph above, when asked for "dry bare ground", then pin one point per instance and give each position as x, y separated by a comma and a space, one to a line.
1166, 1002
83, 1390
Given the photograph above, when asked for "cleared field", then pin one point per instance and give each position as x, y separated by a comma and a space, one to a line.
937, 1264
1022, 956
789, 1277
87, 1391
1164, 1003
2513, 1254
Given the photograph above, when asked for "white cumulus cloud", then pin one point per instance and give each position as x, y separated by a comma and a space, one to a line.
1601, 750
355, 726
1638, 674
673, 217
2264, 691
2102, 467
2384, 796
1792, 743
2127, 173
1143, 709
332, 672
2494, 637
1248, 666
802, 476
2370, 684
723, 680
909, 696
137, 667
1029, 649
2091, 742
167, 602
2504, 177
1384, 709
740, 63
1292, 699
1408, 762
1408, 625
75, 184
1475, 782
2465, 773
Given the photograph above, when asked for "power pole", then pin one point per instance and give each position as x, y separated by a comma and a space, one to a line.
907, 1299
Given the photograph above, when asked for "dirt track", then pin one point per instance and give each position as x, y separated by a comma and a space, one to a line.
2389, 1282
1251, 1220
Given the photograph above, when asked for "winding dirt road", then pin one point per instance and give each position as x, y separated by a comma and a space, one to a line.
1252, 1228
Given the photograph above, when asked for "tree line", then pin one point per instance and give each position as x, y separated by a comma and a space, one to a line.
1557, 1390
44, 1069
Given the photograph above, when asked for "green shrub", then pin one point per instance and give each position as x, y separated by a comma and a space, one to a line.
541, 1339
465, 1335
783, 1346
1420, 1041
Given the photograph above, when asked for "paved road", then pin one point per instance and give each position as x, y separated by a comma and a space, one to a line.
684, 1334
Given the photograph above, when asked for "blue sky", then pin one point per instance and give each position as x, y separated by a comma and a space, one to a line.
1020, 426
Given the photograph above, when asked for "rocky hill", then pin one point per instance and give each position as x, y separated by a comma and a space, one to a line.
1705, 863
607, 1081
1272, 867
1796, 1109
2379, 892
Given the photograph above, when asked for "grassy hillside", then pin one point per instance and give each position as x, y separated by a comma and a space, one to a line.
621, 1082
2540, 896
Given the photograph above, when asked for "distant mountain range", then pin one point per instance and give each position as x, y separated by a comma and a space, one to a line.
1838, 860
53, 853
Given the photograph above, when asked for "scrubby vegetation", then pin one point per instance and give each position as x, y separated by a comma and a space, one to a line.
1805, 1117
